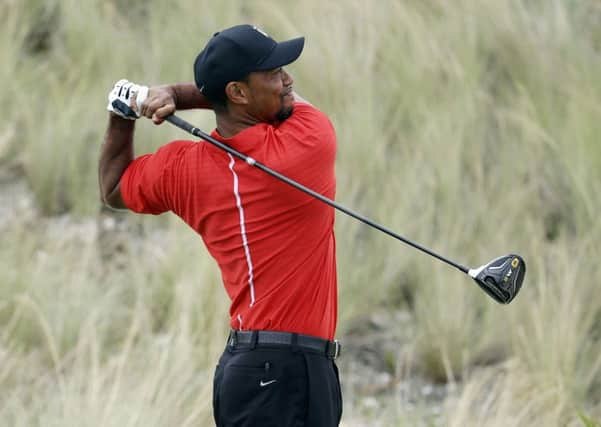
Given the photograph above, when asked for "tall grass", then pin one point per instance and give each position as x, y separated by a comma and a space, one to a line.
88, 343
470, 126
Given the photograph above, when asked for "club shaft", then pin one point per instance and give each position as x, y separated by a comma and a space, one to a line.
182, 124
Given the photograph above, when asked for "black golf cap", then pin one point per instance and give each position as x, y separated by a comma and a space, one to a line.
235, 52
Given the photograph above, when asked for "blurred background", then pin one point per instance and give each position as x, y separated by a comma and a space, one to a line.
472, 127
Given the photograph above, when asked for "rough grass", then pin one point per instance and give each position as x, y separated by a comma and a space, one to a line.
471, 127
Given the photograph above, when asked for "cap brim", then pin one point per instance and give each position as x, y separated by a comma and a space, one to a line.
283, 54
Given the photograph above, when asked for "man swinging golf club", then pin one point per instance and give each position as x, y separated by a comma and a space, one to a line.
274, 245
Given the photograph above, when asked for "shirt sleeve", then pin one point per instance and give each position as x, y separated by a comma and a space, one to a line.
308, 121
151, 183
308, 139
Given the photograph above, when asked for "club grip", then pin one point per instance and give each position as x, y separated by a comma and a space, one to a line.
124, 109
182, 124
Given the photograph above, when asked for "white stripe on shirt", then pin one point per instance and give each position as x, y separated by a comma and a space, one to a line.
243, 233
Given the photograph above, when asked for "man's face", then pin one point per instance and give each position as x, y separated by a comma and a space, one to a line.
271, 98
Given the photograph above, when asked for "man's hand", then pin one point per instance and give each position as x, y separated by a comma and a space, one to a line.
160, 103
164, 100
131, 101
126, 98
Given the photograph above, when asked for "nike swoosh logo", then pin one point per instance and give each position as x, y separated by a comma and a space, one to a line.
264, 384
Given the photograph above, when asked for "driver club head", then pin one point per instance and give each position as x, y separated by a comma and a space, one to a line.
501, 278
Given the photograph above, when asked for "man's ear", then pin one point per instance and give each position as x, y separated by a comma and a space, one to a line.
237, 92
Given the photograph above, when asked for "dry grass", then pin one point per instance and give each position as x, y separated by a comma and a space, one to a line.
471, 127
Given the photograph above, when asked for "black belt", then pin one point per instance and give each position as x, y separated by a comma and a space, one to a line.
246, 339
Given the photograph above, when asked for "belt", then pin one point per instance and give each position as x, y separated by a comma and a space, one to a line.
246, 339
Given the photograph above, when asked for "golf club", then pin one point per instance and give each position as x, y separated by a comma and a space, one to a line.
500, 278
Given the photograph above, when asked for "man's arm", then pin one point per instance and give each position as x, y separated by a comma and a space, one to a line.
116, 154
117, 151
164, 100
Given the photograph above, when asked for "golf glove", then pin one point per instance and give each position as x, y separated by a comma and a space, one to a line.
123, 96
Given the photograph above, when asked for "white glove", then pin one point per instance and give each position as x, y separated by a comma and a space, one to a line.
126, 98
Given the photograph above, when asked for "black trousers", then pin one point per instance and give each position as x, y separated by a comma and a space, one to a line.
276, 387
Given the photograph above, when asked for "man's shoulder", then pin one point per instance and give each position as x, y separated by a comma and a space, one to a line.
179, 145
303, 105
176, 148
309, 114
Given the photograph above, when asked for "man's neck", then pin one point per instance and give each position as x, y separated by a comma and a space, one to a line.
229, 125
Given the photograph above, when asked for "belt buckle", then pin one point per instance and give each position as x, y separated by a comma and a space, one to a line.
232, 339
337, 348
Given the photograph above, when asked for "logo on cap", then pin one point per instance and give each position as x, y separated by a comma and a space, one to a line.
260, 31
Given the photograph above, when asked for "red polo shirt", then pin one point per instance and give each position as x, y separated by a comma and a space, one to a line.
274, 244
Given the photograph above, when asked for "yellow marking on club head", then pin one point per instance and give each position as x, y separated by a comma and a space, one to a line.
515, 262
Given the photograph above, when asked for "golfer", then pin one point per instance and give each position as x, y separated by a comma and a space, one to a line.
274, 245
